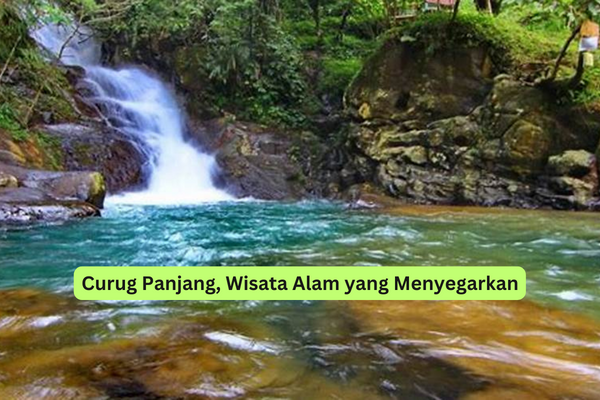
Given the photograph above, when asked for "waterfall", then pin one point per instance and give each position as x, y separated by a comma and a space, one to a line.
141, 106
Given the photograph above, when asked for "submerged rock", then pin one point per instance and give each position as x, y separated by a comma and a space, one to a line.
520, 348
56, 347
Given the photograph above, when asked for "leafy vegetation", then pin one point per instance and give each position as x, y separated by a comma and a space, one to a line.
29, 85
283, 61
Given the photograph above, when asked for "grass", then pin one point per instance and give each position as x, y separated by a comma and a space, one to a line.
523, 40
511, 44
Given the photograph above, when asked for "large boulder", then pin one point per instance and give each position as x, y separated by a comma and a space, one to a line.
403, 82
95, 147
573, 163
255, 161
35, 195
88, 187
575, 173
85, 146
27, 205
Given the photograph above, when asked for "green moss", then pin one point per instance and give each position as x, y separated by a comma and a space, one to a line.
98, 186
510, 42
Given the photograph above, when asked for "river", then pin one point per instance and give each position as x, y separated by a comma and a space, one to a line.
447, 350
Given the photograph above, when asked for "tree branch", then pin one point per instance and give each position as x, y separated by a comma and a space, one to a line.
563, 52
10, 56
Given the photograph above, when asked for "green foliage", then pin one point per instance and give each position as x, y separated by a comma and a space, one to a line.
10, 123
510, 42
571, 11
152, 20
30, 85
337, 75
589, 93
250, 64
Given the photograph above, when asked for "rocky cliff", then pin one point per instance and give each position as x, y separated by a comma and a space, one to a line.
447, 127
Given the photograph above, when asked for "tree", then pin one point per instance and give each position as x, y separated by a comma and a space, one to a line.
490, 6
577, 11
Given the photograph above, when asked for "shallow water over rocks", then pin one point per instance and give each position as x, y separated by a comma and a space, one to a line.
54, 346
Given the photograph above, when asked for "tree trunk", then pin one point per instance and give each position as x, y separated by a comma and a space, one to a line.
563, 52
455, 12
315, 6
344, 22
488, 5
491, 6
576, 79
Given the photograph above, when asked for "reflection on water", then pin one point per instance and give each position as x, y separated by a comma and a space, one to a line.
548, 346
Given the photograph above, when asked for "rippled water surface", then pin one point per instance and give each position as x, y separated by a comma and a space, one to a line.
293, 349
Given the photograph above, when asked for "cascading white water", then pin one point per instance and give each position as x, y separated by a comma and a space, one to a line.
141, 106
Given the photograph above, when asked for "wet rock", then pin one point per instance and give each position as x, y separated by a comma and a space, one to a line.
88, 145
94, 147
57, 347
64, 186
572, 163
526, 148
574, 173
50, 196
25, 213
532, 352
497, 143
23, 195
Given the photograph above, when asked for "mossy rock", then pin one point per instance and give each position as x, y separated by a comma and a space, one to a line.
527, 147
401, 81
572, 163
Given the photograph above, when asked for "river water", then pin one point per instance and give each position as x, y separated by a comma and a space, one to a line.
547, 346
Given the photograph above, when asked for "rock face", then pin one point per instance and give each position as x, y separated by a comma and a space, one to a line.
437, 130
397, 84
98, 148
88, 150
88, 187
85, 146
261, 163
